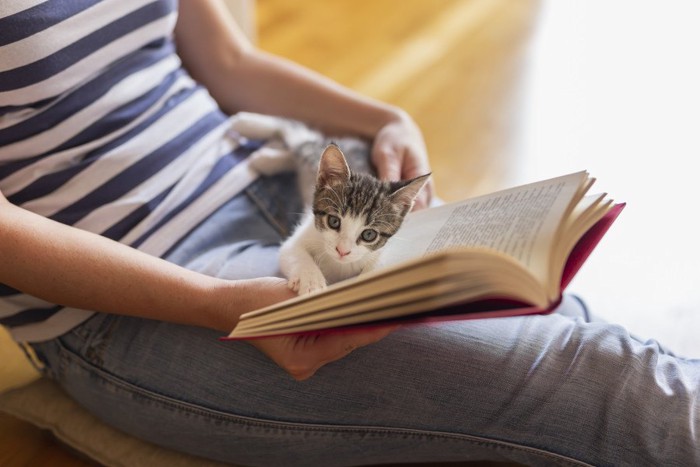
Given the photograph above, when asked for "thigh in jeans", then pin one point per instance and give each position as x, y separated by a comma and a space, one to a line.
543, 390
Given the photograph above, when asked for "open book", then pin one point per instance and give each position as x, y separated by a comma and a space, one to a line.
504, 254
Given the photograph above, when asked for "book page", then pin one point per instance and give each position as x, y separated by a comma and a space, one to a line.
520, 222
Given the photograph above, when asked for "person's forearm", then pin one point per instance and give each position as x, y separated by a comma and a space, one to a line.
254, 85
70, 267
239, 77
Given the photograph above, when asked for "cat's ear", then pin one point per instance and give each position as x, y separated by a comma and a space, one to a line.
406, 191
333, 168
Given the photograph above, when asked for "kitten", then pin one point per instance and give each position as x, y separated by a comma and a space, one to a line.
346, 202
352, 216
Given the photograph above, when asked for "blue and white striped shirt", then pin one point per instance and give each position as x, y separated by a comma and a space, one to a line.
101, 128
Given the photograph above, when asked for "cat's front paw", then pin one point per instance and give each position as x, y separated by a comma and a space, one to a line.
307, 281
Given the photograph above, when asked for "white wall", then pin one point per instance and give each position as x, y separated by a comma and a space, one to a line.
614, 87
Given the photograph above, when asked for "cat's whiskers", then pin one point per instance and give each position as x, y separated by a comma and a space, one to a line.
340, 199
391, 217
332, 202
386, 224
324, 255
376, 221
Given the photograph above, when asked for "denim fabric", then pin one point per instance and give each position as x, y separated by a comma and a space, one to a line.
542, 390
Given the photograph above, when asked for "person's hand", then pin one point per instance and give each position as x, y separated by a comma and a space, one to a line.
399, 153
302, 355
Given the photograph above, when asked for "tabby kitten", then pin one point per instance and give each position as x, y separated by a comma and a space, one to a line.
352, 217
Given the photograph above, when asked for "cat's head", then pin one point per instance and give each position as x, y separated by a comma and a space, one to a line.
356, 213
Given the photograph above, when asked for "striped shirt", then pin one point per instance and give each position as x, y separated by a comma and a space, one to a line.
101, 128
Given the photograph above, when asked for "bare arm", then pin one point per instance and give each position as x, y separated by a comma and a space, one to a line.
71, 267
240, 77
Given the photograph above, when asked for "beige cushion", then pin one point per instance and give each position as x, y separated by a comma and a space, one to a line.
41, 402
15, 369
44, 404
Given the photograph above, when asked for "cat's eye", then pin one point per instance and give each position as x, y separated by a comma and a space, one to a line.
333, 222
368, 235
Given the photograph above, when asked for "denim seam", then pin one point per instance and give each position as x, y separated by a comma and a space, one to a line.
212, 415
266, 213
584, 306
33, 358
97, 344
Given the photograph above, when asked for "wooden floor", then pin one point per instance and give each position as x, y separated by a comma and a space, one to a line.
454, 65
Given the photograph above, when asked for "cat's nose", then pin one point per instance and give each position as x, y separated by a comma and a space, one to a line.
341, 252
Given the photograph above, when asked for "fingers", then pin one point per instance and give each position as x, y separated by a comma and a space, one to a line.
339, 346
355, 340
395, 160
388, 162
424, 198
302, 356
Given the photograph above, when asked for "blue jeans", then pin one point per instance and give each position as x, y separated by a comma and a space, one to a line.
541, 390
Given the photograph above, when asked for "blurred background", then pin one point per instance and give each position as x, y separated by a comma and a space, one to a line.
614, 87
512, 91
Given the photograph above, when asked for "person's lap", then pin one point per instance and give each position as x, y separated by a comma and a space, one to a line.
541, 390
